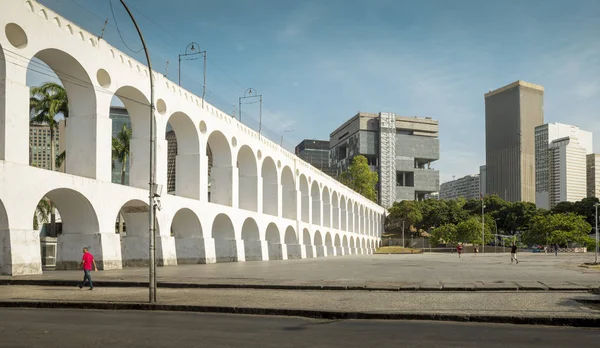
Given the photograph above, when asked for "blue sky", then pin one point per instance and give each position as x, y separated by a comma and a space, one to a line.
317, 63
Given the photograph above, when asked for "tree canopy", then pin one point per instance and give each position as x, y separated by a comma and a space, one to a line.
361, 178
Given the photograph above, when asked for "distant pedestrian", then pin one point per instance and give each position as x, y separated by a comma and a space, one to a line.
86, 263
555, 249
513, 253
459, 249
475, 250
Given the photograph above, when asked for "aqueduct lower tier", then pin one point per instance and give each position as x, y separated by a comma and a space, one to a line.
259, 201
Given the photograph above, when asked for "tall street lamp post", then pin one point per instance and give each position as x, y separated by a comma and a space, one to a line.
154, 190
251, 93
190, 51
496, 239
482, 228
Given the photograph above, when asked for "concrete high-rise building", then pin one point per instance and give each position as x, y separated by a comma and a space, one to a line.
39, 145
567, 171
593, 175
511, 115
401, 149
466, 187
316, 153
545, 135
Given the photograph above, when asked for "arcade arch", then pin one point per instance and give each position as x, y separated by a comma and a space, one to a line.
247, 182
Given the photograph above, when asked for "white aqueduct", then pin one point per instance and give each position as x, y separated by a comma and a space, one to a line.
265, 203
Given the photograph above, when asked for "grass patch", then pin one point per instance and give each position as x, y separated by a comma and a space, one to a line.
397, 250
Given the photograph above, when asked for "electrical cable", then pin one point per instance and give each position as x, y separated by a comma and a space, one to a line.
119, 30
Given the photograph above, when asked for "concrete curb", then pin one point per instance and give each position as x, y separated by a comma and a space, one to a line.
172, 285
330, 315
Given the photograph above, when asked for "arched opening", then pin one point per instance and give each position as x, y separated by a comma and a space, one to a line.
76, 227
345, 245
318, 239
219, 169
129, 112
269, 187
56, 78
294, 249
274, 242
288, 194
225, 243
329, 245
335, 213
356, 214
304, 199
3, 215
183, 156
316, 204
337, 242
306, 240
353, 244
351, 215
247, 174
134, 241
326, 207
343, 214
253, 246
189, 241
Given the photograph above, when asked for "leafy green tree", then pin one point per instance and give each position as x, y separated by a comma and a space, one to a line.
557, 228
120, 153
42, 212
361, 178
469, 231
46, 102
445, 234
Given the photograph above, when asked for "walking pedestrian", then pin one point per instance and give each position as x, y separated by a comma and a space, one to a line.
513, 253
555, 249
459, 249
86, 263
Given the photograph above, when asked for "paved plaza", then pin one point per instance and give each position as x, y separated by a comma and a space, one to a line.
428, 271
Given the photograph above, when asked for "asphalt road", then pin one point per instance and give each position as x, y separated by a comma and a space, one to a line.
89, 328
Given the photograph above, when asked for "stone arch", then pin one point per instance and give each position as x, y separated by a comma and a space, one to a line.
273, 237
337, 241
326, 200
252, 244
248, 180
290, 236
356, 214
4, 224
187, 230
220, 173
335, 210
78, 220
306, 240
328, 239
288, 194
137, 110
272, 234
223, 233
186, 181
134, 244
315, 193
304, 199
318, 238
270, 195
345, 244
353, 242
82, 137
351, 216
343, 214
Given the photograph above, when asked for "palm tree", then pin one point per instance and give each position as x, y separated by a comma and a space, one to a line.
41, 213
45, 103
120, 153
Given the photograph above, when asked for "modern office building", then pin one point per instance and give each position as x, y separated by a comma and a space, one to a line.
316, 153
466, 187
39, 145
511, 115
545, 135
482, 179
593, 175
567, 168
400, 148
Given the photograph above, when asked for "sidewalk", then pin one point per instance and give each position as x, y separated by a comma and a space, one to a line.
423, 272
545, 308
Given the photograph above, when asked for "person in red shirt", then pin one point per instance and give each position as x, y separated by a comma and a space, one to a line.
86, 263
